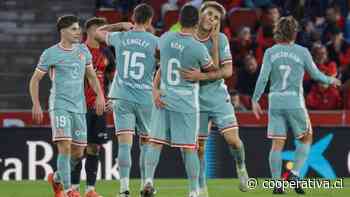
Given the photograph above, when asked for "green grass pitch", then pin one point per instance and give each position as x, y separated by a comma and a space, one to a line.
165, 187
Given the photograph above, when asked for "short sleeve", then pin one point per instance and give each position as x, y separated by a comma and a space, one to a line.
44, 62
88, 56
205, 59
224, 50
113, 38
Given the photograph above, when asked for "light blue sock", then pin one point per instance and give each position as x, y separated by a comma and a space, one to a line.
275, 159
301, 154
64, 170
202, 176
124, 159
151, 162
192, 169
143, 149
239, 155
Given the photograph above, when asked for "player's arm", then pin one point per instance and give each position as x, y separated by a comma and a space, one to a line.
37, 113
103, 31
215, 45
156, 92
261, 84
316, 74
95, 84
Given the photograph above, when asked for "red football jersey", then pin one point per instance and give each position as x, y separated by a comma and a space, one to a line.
100, 62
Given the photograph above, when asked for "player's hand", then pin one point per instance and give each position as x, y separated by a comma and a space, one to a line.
214, 35
256, 109
156, 98
336, 82
109, 105
192, 74
37, 113
100, 105
127, 26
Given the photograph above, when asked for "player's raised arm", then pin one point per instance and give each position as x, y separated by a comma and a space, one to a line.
103, 31
316, 74
94, 83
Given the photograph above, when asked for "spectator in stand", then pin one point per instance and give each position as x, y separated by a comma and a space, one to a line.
333, 18
247, 77
320, 56
235, 100
323, 96
339, 49
264, 38
173, 5
242, 46
306, 37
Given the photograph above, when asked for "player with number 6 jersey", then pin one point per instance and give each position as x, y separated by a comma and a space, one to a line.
132, 87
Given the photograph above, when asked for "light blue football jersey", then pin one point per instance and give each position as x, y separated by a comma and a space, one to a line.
135, 64
284, 65
181, 51
215, 87
67, 71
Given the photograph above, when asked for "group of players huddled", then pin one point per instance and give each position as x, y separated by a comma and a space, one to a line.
169, 90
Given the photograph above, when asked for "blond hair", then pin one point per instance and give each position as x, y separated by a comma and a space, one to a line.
286, 29
215, 5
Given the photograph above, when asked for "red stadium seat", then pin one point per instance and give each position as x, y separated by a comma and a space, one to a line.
112, 16
157, 6
242, 17
170, 18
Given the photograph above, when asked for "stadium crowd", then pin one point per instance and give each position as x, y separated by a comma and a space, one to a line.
324, 30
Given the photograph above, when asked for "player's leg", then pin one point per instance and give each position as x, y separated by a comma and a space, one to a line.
76, 172
184, 131
97, 136
301, 126
62, 136
277, 132
159, 135
143, 119
79, 139
204, 128
226, 122
124, 119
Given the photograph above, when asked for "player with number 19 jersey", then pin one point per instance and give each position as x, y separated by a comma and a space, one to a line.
67, 104
132, 84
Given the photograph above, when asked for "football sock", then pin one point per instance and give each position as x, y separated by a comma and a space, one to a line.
91, 167
64, 170
75, 176
239, 155
301, 154
124, 158
151, 161
192, 169
275, 161
202, 176
143, 149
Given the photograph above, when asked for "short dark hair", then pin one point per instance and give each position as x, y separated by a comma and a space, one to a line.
99, 21
142, 13
66, 21
189, 16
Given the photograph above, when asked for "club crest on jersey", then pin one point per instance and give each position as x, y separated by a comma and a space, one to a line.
81, 56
